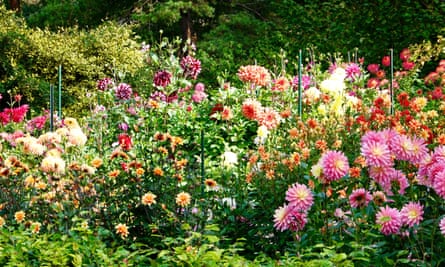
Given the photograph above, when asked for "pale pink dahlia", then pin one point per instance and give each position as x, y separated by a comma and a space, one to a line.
442, 226
412, 214
300, 197
389, 220
282, 217
335, 165
359, 198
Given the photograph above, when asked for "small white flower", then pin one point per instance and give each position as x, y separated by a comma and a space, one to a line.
229, 159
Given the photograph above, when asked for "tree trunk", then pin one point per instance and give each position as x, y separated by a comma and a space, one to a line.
14, 5
186, 25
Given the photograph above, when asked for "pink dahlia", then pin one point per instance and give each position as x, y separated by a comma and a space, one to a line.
412, 214
282, 218
162, 78
353, 71
438, 154
409, 149
439, 184
298, 220
300, 197
442, 226
335, 165
389, 220
376, 153
123, 91
306, 81
190, 66
360, 198
400, 179
382, 175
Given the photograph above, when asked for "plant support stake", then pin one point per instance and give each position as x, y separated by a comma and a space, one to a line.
202, 162
60, 92
299, 84
51, 107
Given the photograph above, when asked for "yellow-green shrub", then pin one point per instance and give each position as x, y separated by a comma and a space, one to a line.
31, 57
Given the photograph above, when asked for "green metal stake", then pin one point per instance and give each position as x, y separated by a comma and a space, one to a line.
60, 92
299, 84
202, 163
51, 107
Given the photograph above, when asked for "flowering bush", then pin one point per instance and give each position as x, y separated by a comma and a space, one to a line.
349, 157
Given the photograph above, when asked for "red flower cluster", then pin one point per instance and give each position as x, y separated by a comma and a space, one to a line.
125, 141
14, 114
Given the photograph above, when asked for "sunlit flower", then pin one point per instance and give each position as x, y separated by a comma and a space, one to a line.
19, 216
183, 199
317, 170
312, 94
412, 214
335, 165
389, 220
122, 230
257, 75
76, 137
148, 199
229, 159
53, 164
359, 198
300, 197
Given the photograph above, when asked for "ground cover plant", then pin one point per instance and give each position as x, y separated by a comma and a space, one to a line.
340, 164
